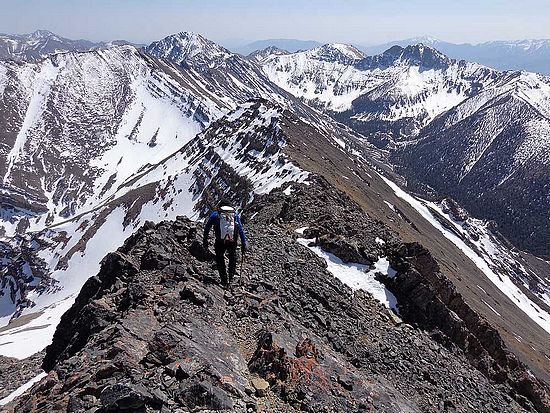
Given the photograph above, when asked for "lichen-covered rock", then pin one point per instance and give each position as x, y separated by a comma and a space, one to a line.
260, 385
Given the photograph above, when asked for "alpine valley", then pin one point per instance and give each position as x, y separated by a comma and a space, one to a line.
396, 207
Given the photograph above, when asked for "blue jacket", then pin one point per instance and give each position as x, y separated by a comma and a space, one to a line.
215, 219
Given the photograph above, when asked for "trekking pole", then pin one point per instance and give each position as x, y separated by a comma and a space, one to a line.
241, 271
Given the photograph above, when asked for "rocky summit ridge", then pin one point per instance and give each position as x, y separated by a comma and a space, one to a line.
154, 331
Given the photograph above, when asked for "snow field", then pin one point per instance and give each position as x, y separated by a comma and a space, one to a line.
501, 281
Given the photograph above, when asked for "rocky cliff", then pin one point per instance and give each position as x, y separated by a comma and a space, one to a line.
154, 331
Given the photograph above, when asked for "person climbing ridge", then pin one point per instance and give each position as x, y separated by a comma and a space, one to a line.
227, 227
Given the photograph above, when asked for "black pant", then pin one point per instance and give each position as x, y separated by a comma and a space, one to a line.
220, 247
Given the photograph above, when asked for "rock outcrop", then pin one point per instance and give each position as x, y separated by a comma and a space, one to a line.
429, 299
154, 331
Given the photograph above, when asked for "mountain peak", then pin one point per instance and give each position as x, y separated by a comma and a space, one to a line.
292, 45
263, 54
425, 56
189, 36
41, 34
426, 40
185, 46
348, 50
35, 46
337, 52
420, 55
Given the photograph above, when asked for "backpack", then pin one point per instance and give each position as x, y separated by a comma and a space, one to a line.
227, 223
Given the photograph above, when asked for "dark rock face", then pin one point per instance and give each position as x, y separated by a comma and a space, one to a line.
339, 246
155, 332
87, 317
430, 300
424, 57
22, 271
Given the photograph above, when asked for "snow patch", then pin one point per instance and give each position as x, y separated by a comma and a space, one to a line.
21, 390
359, 276
24, 341
3, 79
492, 309
501, 281
390, 206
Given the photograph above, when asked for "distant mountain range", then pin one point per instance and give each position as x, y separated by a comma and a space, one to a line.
468, 131
42, 43
292, 45
529, 55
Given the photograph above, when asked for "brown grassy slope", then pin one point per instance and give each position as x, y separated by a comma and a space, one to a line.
312, 153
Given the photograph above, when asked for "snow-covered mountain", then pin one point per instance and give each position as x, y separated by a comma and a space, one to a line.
403, 88
227, 76
42, 43
292, 45
263, 54
530, 55
191, 48
93, 145
492, 154
77, 124
420, 98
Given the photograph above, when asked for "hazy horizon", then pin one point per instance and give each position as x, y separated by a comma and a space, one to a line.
236, 22
243, 42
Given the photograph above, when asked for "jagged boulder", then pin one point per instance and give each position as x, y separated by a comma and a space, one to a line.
345, 250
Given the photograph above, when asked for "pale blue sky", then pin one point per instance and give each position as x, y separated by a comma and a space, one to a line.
361, 22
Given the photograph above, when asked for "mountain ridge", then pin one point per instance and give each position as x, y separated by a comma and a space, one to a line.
236, 150
292, 45
143, 286
39, 44
394, 97
187, 46
529, 55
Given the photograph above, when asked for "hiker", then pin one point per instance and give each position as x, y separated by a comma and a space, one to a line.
227, 226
